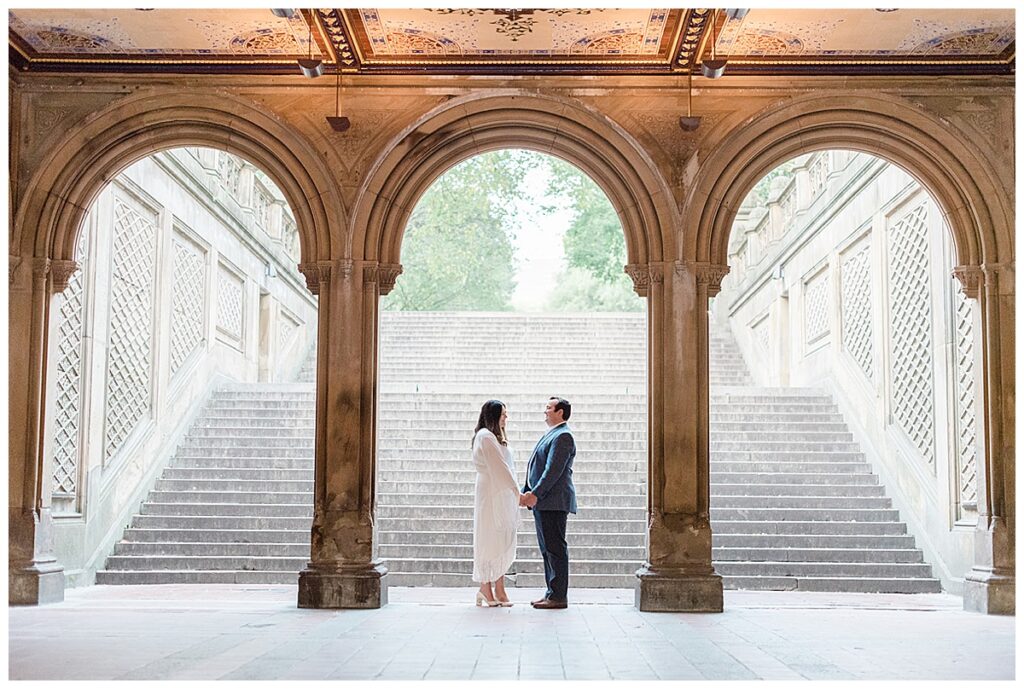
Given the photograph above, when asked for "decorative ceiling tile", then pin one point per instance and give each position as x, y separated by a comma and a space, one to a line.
516, 41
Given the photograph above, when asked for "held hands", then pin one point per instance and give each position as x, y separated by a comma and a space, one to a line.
527, 499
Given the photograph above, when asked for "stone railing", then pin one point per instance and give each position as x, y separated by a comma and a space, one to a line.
178, 289
856, 294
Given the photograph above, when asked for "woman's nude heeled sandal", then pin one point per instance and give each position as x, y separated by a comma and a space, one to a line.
481, 601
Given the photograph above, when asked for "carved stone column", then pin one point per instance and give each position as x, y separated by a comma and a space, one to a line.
34, 575
989, 586
678, 575
343, 570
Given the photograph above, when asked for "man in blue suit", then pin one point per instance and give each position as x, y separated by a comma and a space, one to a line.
550, 494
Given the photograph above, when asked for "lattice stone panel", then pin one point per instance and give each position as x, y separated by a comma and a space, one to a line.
261, 206
285, 331
855, 309
966, 431
230, 169
230, 303
910, 314
816, 308
129, 358
68, 372
761, 334
818, 173
187, 301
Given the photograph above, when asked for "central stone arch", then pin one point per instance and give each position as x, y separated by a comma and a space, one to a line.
678, 574
472, 125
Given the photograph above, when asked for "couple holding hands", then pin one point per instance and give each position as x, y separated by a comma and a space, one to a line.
548, 493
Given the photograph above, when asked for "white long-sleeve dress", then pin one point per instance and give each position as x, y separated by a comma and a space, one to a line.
495, 509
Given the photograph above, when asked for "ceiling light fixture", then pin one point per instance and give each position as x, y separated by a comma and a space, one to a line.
714, 67
284, 14
338, 123
689, 123
310, 67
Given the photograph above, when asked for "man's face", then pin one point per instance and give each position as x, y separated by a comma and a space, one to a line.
552, 417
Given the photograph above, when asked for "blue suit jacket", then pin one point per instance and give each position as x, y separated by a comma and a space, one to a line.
549, 473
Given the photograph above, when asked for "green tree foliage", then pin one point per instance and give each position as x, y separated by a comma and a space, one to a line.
457, 253
595, 248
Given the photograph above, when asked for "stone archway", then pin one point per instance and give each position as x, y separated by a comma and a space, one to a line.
42, 241
977, 207
677, 575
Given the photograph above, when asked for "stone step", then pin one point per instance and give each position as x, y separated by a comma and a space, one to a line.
242, 451
268, 497
526, 537
785, 445
178, 548
299, 536
817, 555
235, 474
464, 498
453, 580
128, 577
824, 569
215, 511
587, 500
302, 463
303, 486
760, 526
770, 453
750, 509
577, 524
249, 522
771, 479
858, 584
204, 562
449, 511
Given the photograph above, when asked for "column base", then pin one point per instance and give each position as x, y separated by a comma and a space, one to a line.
36, 584
672, 591
990, 593
344, 588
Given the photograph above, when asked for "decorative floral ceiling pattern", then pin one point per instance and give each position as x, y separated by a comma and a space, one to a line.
519, 41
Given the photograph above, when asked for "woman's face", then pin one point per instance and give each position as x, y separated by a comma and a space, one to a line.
504, 418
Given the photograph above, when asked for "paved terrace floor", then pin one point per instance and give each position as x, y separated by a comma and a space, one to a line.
256, 632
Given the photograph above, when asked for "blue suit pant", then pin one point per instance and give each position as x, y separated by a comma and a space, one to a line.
555, 551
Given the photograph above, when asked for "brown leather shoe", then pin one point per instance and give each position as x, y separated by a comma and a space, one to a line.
547, 604
534, 602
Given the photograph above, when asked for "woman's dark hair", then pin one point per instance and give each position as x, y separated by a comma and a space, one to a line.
490, 418
563, 406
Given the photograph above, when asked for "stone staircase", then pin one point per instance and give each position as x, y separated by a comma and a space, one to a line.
794, 502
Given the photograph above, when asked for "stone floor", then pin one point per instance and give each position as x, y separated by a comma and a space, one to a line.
256, 632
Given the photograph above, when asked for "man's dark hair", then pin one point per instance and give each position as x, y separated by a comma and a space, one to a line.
563, 406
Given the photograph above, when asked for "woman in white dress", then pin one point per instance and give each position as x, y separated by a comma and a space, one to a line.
496, 507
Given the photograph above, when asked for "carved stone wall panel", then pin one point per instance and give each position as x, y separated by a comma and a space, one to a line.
855, 307
911, 373
230, 304
129, 358
68, 372
816, 308
188, 301
966, 427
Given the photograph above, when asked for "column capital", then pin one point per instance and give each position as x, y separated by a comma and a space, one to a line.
971, 279
706, 273
641, 276
318, 273
60, 274
384, 274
